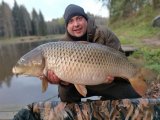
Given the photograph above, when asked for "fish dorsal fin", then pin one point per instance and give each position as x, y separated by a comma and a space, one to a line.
44, 83
81, 89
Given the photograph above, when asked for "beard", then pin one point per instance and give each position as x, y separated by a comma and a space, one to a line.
81, 38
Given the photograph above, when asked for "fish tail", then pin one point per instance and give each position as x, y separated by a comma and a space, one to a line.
139, 83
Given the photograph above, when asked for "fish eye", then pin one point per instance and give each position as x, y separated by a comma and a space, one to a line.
22, 60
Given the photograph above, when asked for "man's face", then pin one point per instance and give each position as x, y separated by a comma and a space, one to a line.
77, 26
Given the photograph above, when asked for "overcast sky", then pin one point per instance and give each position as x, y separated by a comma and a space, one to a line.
55, 8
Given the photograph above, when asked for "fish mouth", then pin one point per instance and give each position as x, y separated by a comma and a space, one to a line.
14, 71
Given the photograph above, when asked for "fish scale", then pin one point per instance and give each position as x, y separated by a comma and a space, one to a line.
81, 64
76, 58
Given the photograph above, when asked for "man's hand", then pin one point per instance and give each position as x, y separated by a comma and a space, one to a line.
109, 79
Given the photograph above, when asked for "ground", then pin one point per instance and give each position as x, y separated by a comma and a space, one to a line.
154, 89
152, 41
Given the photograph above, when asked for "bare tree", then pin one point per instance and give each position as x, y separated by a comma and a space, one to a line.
156, 4
125, 8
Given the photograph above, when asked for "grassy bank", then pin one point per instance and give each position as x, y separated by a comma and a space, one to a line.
137, 27
135, 30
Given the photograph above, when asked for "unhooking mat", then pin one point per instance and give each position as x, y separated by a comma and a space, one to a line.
125, 109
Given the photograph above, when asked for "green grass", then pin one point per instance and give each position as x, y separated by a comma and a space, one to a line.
134, 30
150, 56
137, 26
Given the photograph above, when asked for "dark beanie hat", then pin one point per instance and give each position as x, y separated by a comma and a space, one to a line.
73, 10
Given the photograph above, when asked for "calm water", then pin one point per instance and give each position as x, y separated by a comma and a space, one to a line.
22, 89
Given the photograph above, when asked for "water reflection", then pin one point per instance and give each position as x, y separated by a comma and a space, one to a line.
19, 89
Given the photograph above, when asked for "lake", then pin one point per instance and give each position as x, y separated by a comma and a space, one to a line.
21, 90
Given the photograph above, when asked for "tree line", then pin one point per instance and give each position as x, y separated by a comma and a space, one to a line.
17, 22
126, 8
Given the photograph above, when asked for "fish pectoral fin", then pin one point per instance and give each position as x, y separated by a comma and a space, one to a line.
81, 89
44, 83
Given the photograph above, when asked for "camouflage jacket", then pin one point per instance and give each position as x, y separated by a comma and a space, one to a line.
99, 34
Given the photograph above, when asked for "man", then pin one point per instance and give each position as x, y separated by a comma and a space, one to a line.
79, 27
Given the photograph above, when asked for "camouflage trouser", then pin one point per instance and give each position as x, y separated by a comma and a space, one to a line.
126, 109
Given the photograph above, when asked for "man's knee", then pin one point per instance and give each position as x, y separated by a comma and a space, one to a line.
125, 89
68, 93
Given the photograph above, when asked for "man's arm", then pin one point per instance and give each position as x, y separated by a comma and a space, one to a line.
112, 40
105, 36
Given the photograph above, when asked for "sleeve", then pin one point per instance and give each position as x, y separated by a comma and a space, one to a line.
109, 38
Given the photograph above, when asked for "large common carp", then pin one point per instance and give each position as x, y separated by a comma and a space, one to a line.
81, 64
